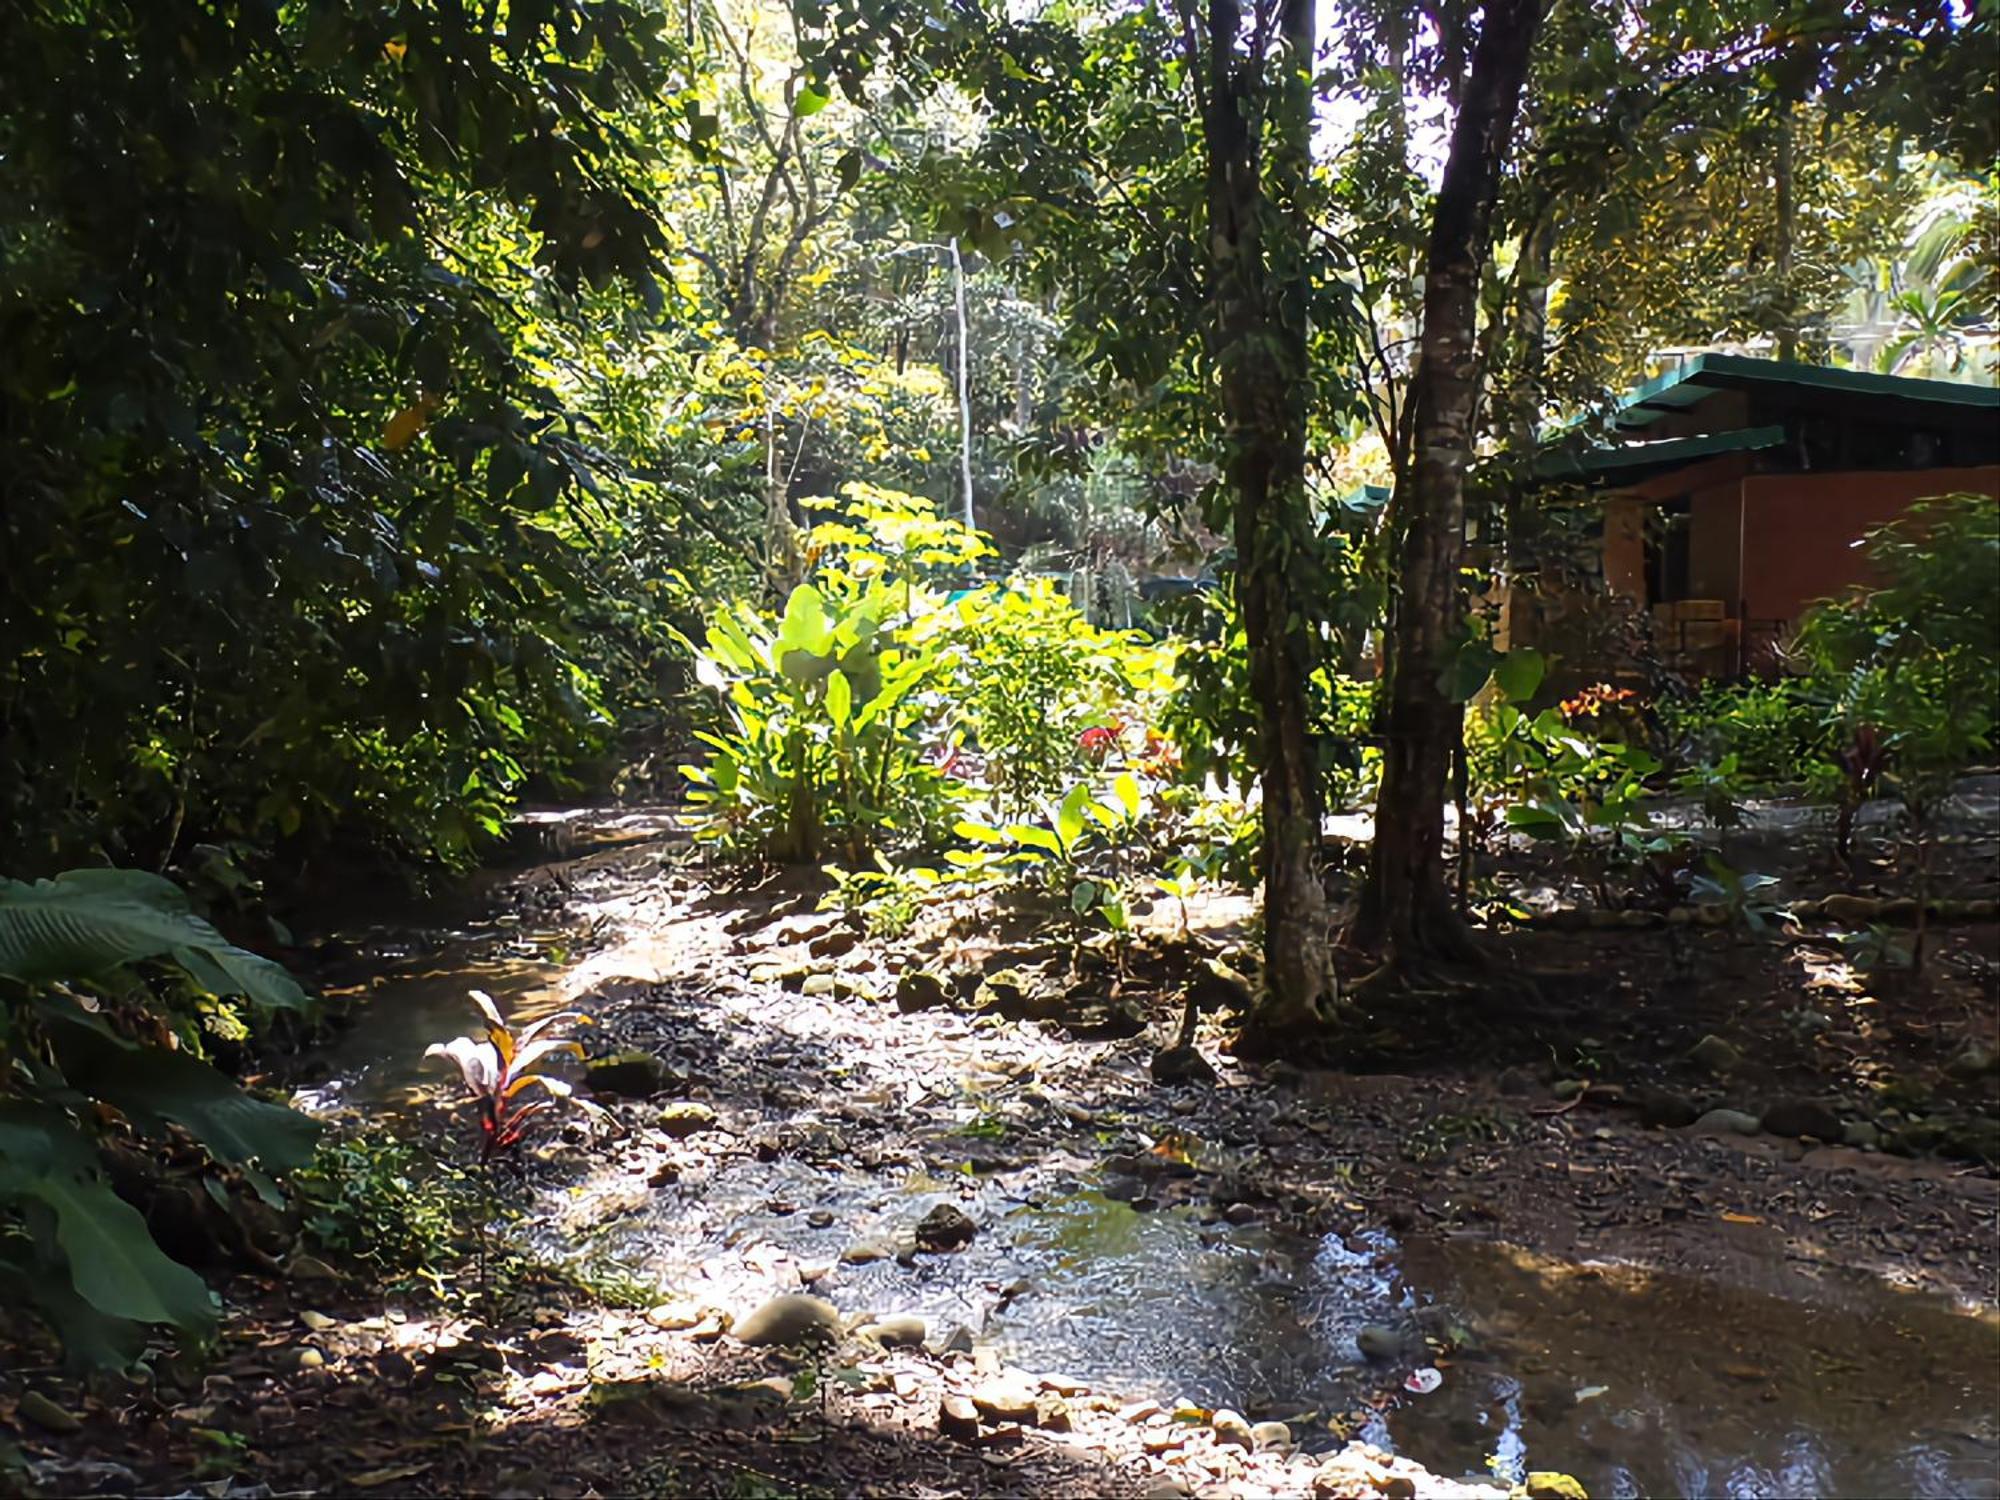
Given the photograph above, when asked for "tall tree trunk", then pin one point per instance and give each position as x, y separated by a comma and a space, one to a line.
1257, 246
1407, 904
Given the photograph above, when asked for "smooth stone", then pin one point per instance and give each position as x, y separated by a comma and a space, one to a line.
865, 1252
1862, 1134
945, 1228
1005, 1400
1378, 1342
1727, 1122
685, 1118
1271, 1435
1232, 1428
793, 1318
890, 1332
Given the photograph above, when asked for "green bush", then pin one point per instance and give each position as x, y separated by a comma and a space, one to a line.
856, 720
833, 715
80, 1032
1040, 675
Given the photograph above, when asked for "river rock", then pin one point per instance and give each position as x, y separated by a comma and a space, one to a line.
958, 1417
920, 989
1005, 1399
793, 1318
866, 1252
1972, 1062
1715, 1055
1727, 1122
905, 1328
628, 1075
1377, 1342
1547, 1484
1231, 1429
1863, 1135
1052, 1414
1181, 1065
945, 1228
1271, 1435
834, 943
1802, 1117
686, 1117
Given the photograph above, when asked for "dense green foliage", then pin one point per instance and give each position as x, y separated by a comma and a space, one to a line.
96, 968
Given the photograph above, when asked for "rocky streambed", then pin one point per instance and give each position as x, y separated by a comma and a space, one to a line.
1022, 1245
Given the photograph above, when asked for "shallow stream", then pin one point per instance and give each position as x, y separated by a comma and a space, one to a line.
1637, 1383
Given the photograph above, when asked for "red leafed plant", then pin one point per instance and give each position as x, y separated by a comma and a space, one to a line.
501, 1066
1099, 741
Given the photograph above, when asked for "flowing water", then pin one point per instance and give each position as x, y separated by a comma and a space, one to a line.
1638, 1383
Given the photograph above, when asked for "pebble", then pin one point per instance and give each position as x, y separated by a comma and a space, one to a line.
1271, 1435
793, 1318
1140, 1411
863, 1252
675, 1316
820, 1218
1232, 1429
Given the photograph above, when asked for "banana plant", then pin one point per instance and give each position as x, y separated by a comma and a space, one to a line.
501, 1066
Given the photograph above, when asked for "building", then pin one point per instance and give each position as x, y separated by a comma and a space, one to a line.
1736, 497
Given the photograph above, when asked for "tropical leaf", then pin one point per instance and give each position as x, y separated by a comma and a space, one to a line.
154, 1087
86, 923
114, 1264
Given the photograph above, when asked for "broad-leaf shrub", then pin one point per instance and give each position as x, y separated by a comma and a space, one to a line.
882, 699
80, 1059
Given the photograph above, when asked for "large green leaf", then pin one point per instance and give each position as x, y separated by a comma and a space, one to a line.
33, 1271
1519, 673
114, 1264
85, 923
153, 1087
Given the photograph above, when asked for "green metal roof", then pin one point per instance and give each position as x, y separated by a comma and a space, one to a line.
1705, 374
1635, 460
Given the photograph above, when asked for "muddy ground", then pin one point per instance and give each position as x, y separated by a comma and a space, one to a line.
794, 1103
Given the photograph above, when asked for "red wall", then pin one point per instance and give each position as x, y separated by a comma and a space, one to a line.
1799, 530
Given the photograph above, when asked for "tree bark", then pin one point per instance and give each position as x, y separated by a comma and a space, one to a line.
1257, 247
1407, 904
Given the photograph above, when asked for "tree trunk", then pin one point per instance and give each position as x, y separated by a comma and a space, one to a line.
1257, 246
1407, 905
